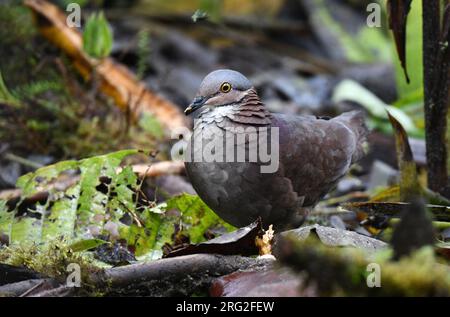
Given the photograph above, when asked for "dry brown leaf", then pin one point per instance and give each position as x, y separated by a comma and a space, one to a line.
240, 241
116, 80
264, 244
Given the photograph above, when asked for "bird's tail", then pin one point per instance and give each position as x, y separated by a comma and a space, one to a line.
354, 120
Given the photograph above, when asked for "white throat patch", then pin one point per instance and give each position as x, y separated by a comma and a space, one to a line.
219, 112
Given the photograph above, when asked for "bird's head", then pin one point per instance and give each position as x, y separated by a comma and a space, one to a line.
220, 88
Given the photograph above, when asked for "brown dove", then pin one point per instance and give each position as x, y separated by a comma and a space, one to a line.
233, 137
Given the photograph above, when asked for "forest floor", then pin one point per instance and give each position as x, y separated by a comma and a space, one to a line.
77, 205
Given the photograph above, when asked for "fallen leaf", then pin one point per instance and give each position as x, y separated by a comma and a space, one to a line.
337, 237
12, 274
350, 90
87, 244
241, 241
269, 283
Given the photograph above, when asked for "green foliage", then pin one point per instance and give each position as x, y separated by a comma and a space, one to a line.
148, 238
104, 195
15, 16
29, 183
143, 52
85, 245
414, 61
97, 36
77, 212
28, 91
100, 134
213, 8
410, 95
51, 259
36, 88
151, 125
349, 90
419, 274
366, 45
58, 116
6, 96
20, 47
161, 226
196, 216
5, 217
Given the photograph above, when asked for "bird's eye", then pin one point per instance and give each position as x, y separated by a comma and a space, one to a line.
225, 87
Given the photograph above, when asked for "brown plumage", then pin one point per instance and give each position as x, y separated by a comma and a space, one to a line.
313, 153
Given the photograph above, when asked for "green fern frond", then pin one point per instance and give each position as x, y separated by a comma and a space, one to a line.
36, 88
143, 52
92, 208
5, 95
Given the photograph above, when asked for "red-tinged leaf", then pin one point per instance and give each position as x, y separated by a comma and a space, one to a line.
398, 13
268, 283
443, 248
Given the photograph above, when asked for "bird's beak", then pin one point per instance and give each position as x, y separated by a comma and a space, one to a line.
197, 103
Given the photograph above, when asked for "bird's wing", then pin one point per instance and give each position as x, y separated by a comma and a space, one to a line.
315, 153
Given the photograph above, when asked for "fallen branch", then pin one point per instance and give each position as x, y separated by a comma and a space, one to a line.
116, 80
61, 291
23, 288
247, 23
157, 169
12, 274
143, 170
181, 275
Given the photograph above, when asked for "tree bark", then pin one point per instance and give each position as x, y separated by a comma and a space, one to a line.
436, 81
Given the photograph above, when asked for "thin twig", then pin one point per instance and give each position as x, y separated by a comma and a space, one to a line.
21, 160
32, 288
156, 169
